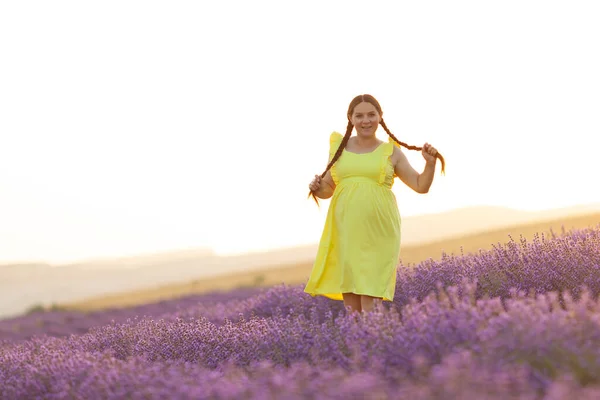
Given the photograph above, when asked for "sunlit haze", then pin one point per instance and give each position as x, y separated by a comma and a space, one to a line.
131, 127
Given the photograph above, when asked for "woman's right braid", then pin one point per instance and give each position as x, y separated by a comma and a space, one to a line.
335, 157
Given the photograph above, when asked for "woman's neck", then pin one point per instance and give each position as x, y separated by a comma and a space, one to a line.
366, 142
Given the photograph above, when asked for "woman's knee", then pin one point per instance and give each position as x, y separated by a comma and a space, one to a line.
351, 297
351, 300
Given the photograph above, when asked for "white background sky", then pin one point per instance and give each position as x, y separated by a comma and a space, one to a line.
139, 126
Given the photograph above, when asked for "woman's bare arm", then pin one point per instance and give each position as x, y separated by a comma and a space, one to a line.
420, 183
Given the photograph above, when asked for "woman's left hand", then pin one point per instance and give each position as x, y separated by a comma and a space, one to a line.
429, 152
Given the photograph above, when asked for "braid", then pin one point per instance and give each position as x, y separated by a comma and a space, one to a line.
335, 157
438, 155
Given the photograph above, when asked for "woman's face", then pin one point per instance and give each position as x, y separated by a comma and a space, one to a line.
365, 119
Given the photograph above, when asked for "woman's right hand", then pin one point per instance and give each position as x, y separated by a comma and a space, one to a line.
315, 184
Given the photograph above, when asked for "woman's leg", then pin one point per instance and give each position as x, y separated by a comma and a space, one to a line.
352, 300
367, 303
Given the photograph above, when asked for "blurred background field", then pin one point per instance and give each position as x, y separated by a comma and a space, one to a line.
136, 280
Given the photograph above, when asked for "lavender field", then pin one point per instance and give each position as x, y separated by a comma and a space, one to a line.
520, 321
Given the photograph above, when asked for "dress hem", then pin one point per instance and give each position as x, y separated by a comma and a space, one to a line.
338, 296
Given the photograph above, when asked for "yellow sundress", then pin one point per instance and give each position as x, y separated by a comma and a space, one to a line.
359, 248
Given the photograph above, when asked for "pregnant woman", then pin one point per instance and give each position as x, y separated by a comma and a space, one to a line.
360, 244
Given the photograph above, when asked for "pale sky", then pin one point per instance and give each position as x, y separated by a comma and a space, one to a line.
131, 127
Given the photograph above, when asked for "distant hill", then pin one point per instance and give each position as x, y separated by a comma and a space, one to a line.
465, 221
24, 285
146, 260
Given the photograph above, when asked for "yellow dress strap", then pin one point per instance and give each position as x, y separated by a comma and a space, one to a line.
393, 142
386, 168
335, 139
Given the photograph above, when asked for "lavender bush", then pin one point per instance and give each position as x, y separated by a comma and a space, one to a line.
568, 261
518, 322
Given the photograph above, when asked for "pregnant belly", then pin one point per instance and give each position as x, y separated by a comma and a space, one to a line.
367, 206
